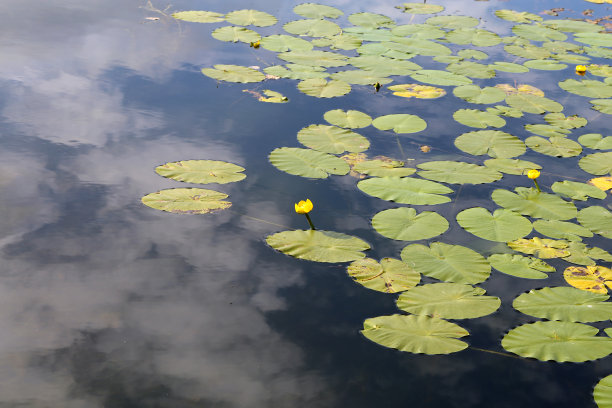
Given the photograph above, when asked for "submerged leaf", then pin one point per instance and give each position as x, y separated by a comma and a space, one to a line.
318, 246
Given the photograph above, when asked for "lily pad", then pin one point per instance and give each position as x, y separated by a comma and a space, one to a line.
351, 119
542, 248
566, 122
547, 130
453, 22
511, 166
202, 171
320, 88
529, 201
283, 43
597, 163
406, 190
404, 224
307, 163
596, 141
501, 226
187, 200
296, 71
508, 67
400, 123
603, 392
236, 34
532, 103
420, 31
475, 54
580, 254
313, 27
314, 58
233, 73
517, 16
602, 183
250, 17
597, 219
602, 105
577, 191
598, 39
561, 230
475, 94
563, 303
372, 20
591, 278
457, 172
199, 16
474, 36
450, 263
437, 77
495, 143
520, 266
272, 97
418, 46
383, 168
471, 69
558, 341
417, 91
314, 10
545, 65
415, 334
554, 146
389, 276
383, 66
527, 51
332, 139
420, 8
538, 33
573, 26
587, 87
318, 246
448, 301
478, 119
360, 77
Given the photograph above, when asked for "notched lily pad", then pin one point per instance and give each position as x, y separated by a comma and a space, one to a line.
561, 230
250, 17
520, 266
501, 226
318, 246
597, 163
511, 166
529, 201
332, 139
202, 171
495, 143
542, 248
233, 73
307, 163
236, 34
187, 200
351, 119
554, 146
457, 172
320, 88
478, 119
406, 190
389, 275
400, 123
417, 91
592, 278
404, 224
597, 219
577, 191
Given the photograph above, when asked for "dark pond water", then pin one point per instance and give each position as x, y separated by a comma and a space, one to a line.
107, 303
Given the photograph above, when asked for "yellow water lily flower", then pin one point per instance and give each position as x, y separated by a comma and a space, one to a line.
581, 69
303, 207
533, 174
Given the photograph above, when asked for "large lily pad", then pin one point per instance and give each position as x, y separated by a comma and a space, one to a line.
598, 39
404, 224
199, 16
320, 88
450, 263
233, 73
314, 10
511, 166
371, 20
406, 190
554, 146
476, 94
501, 226
307, 163
457, 172
597, 163
389, 276
495, 143
563, 303
415, 334
558, 341
400, 123
478, 119
313, 27
520, 266
236, 34
561, 230
187, 200
577, 191
587, 87
597, 219
532, 103
603, 392
591, 278
351, 119
332, 139
436, 77
251, 17
529, 201
318, 246
448, 301
542, 248
202, 171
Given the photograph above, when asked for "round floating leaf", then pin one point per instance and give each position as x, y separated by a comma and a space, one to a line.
475, 94
577, 191
597, 163
532, 103
542, 248
400, 123
471, 69
511, 166
527, 51
457, 172
199, 16
383, 168
597, 219
547, 130
360, 77
296, 71
451, 263
314, 58
233, 73
383, 66
187, 200
554, 146
508, 67
501, 226
566, 122
520, 266
538, 33
406, 190
318, 246
561, 230
545, 65
573, 26
596, 141
201, 171
283, 43
351, 119
453, 22
475, 54
603, 391
314, 10
420, 8
602, 105
563, 303
370, 20
404, 224
235, 34
448, 301
598, 39
495, 143
529, 201
340, 41
592, 278
332, 139
558, 341
320, 88
312, 28
436, 77
517, 16
587, 87
415, 334
389, 276
418, 31
307, 163
417, 91
473, 36
580, 254
250, 17
478, 119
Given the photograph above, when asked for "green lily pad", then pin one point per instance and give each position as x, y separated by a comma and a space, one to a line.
457, 172
415, 334
296, 71
453, 22
542, 248
596, 141
338, 42
318, 246
450, 263
475, 94
187, 200
600, 70
532, 103
320, 88
406, 190
503, 110
419, 31
566, 122
580, 254
283, 43
312, 27
420, 8
508, 67
495, 143
597, 39
587, 87
538, 33
517, 16
545, 65
554, 146
389, 276
201, 171
233, 73
404, 224
383, 66
351, 119
474, 36
250, 17
547, 130
531, 202
597, 163
314, 10
478, 119
314, 58
573, 26
558, 341
603, 390
511, 166
597, 219
520, 266
566, 304
199, 16
418, 46
527, 51
372, 20
307, 163
360, 77
332, 139
475, 54
437, 77
448, 301
471, 69
561, 230
577, 191
501, 226
382, 168
400, 123
236, 34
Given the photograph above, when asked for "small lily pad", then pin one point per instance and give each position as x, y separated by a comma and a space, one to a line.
542, 248
350, 119
202, 171
187, 200
389, 276
320, 88
531, 202
520, 266
420, 8
404, 224
318, 246
400, 123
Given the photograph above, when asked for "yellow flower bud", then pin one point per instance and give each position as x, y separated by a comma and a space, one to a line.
303, 207
581, 69
533, 174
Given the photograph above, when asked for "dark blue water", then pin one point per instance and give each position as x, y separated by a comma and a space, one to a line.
107, 303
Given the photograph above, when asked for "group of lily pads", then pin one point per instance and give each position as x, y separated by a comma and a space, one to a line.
329, 61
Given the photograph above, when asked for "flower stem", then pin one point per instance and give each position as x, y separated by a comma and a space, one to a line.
309, 221
537, 185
